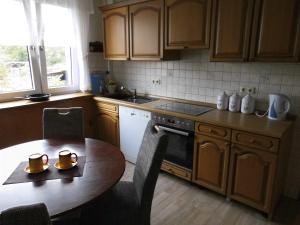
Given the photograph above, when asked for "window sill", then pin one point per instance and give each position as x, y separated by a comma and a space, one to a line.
24, 103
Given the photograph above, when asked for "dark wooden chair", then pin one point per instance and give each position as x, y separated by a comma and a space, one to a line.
36, 214
129, 203
63, 123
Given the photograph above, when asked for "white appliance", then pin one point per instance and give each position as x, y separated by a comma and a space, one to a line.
222, 101
133, 123
235, 103
248, 104
279, 106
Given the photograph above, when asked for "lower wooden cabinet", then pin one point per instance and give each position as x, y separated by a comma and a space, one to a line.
211, 158
108, 124
251, 178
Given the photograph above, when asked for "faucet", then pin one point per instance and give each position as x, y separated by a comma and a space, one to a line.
133, 92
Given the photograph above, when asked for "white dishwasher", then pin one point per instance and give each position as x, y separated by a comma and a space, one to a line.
133, 123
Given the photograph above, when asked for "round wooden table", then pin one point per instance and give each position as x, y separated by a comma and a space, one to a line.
105, 164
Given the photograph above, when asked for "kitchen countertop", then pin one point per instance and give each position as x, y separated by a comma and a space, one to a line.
237, 121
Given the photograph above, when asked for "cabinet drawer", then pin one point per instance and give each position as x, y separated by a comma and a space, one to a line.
177, 171
213, 131
254, 140
107, 106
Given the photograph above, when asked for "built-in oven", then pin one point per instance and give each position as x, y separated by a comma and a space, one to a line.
181, 141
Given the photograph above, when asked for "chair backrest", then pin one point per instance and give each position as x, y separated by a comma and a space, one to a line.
36, 214
148, 165
63, 122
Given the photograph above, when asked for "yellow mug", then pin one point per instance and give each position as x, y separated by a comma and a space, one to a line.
37, 162
66, 159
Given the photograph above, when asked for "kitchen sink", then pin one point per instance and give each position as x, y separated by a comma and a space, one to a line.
129, 98
138, 99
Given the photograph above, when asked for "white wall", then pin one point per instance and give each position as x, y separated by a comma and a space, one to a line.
96, 61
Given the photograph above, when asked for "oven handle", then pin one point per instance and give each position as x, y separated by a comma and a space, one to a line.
174, 131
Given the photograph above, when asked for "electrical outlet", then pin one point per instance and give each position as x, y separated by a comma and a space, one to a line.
252, 90
248, 90
156, 82
243, 89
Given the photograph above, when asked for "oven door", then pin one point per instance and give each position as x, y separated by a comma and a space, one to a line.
180, 146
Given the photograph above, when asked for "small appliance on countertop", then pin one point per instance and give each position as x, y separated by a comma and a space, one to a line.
279, 106
222, 101
248, 104
235, 103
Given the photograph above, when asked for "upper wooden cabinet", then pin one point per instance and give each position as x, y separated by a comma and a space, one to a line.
231, 24
146, 30
276, 28
116, 43
267, 30
187, 23
135, 31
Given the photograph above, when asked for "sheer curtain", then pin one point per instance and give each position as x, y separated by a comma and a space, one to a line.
78, 35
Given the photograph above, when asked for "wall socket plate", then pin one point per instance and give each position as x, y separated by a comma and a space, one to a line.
248, 90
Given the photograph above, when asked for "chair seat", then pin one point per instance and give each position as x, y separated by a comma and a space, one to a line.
119, 206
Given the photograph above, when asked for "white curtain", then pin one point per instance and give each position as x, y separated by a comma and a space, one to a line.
79, 36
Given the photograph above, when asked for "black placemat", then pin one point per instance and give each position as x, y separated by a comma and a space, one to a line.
20, 176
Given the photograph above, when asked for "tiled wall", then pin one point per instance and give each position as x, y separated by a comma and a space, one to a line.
195, 78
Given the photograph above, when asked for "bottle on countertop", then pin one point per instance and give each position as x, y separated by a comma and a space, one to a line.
222, 101
235, 103
248, 104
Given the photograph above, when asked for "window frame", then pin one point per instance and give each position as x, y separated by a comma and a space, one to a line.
38, 66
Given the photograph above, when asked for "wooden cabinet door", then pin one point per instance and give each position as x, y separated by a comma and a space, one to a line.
116, 43
108, 127
231, 24
146, 27
252, 176
275, 35
211, 157
187, 23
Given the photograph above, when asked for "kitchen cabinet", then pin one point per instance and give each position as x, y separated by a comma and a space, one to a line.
107, 121
115, 26
262, 30
231, 25
187, 23
211, 158
176, 170
276, 27
146, 27
135, 32
252, 174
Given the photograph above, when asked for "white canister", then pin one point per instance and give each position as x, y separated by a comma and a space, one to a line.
248, 104
235, 103
222, 101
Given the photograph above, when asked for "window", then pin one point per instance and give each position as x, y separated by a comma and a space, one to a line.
15, 69
37, 50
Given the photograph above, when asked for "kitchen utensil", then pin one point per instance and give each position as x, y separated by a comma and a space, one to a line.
222, 101
36, 97
248, 104
66, 161
235, 103
279, 106
37, 163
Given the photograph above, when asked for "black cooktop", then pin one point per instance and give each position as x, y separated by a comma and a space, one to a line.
185, 108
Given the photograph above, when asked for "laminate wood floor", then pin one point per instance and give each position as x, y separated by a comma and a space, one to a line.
177, 202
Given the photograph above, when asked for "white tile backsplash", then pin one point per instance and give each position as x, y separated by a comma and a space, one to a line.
195, 78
